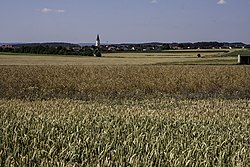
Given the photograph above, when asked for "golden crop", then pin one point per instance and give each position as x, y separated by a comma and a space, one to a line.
84, 82
124, 116
149, 132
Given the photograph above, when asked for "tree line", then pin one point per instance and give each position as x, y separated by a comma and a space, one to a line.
60, 50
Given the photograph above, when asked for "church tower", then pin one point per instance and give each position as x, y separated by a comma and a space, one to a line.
98, 42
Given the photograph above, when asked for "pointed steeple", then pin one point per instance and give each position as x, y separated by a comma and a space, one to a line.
98, 42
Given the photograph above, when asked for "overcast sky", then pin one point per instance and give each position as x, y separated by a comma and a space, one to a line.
119, 21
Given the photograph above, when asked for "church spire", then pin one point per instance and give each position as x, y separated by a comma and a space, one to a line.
98, 42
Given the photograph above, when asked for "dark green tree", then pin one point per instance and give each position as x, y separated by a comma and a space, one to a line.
89, 52
165, 47
98, 53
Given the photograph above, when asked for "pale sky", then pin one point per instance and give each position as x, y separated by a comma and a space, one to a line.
119, 21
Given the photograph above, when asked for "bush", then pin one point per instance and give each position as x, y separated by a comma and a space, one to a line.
98, 53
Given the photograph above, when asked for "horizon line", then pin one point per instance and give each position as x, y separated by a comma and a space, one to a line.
109, 43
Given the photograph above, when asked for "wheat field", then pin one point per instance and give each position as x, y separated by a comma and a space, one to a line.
154, 115
149, 132
83, 82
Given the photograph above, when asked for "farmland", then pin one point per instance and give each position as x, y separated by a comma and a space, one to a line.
150, 109
150, 132
88, 82
146, 58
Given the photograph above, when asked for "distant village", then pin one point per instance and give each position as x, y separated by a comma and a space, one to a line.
95, 49
171, 46
135, 47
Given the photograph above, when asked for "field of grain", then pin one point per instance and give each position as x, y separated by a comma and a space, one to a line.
88, 82
124, 115
149, 132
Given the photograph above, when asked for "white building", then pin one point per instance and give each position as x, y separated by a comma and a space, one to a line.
98, 42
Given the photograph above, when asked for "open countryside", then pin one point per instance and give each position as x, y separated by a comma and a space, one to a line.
150, 83
121, 109
122, 58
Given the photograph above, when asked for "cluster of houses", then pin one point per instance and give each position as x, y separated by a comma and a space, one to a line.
170, 46
7, 46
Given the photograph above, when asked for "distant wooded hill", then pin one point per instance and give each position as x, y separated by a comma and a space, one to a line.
49, 44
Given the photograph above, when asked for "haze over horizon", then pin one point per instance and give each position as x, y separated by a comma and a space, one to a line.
127, 21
